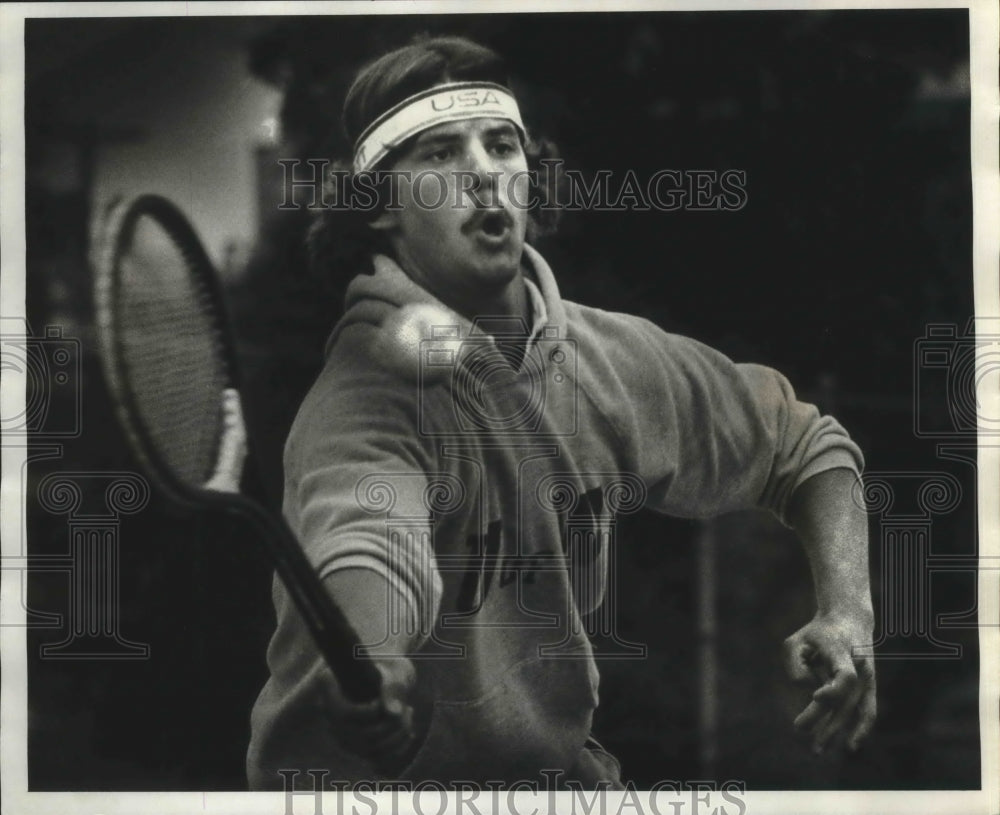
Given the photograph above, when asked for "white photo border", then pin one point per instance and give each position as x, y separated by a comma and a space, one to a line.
985, 115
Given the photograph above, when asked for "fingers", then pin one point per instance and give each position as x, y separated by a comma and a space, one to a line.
840, 687
385, 740
798, 655
831, 730
866, 720
807, 720
381, 742
398, 678
835, 702
842, 709
867, 708
382, 730
374, 733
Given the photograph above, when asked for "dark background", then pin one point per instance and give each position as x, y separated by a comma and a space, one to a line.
853, 130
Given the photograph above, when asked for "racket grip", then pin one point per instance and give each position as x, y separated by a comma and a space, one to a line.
335, 637
356, 674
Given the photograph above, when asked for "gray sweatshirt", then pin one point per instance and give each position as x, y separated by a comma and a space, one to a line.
485, 495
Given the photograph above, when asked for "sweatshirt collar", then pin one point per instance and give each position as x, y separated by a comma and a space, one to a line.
539, 314
370, 297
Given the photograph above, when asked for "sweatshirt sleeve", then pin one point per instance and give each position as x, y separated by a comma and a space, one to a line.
716, 436
356, 482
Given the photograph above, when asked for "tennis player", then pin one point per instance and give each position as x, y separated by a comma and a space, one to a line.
469, 422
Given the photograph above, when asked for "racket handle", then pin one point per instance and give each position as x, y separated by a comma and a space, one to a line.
335, 637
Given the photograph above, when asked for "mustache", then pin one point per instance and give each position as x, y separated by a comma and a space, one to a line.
499, 215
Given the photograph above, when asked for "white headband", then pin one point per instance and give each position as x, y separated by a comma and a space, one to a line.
442, 103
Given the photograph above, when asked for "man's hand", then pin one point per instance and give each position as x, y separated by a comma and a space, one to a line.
833, 527
825, 652
382, 730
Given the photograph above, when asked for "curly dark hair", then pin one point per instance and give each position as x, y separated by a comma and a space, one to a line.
341, 242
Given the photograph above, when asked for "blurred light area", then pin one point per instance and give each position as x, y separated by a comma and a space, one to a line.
196, 118
955, 85
198, 151
271, 129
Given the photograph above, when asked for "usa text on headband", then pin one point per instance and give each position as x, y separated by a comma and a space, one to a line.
452, 102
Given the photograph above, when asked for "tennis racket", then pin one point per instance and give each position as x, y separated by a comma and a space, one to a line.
167, 353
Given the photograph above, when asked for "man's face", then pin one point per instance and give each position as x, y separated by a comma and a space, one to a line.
463, 190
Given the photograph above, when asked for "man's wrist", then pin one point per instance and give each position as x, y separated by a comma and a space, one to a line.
857, 611
363, 595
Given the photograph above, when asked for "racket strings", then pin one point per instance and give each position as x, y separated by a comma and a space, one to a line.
172, 346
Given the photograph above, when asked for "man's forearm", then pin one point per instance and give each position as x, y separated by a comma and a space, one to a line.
834, 531
834, 649
364, 597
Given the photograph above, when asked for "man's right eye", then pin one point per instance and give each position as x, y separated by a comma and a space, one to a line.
440, 154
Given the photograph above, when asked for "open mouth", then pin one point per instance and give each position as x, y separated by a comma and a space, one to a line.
493, 223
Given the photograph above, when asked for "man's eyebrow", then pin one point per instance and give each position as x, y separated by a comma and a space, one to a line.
425, 139
505, 129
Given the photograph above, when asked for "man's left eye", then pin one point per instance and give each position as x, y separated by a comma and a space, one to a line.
441, 154
503, 148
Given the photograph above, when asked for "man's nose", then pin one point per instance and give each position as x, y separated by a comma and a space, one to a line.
480, 166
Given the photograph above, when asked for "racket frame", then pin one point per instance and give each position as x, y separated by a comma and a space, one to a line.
357, 676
